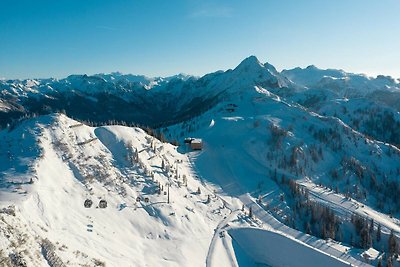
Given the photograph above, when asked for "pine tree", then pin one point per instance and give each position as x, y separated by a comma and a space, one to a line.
371, 226
251, 212
389, 262
392, 243
352, 241
365, 239
308, 228
283, 179
378, 233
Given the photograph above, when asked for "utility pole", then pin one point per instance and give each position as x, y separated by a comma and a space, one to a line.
176, 161
168, 193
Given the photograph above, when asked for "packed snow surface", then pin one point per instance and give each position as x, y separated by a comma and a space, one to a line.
70, 162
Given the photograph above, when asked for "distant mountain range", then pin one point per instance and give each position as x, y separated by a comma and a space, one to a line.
155, 102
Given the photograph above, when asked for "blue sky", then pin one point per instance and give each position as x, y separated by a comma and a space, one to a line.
157, 38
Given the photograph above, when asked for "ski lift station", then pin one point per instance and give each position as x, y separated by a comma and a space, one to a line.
194, 143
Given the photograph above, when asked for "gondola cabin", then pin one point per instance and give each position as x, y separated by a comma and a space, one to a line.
88, 203
102, 204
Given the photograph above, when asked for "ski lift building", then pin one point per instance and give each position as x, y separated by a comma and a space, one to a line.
196, 144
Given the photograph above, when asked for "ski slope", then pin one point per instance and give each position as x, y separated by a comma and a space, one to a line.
229, 169
235, 144
71, 162
128, 232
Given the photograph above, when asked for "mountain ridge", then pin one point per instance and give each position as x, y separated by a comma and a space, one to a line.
136, 99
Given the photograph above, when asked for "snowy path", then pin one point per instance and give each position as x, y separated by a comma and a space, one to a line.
219, 230
220, 227
346, 208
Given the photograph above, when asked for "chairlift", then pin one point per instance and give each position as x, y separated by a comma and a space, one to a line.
146, 200
138, 199
88, 203
102, 204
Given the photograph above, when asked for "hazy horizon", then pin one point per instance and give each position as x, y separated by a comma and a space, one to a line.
189, 74
44, 39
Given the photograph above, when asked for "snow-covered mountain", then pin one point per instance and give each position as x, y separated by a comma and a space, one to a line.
306, 159
159, 210
129, 98
152, 101
346, 84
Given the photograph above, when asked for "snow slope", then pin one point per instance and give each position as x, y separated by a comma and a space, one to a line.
271, 248
127, 232
238, 142
44, 222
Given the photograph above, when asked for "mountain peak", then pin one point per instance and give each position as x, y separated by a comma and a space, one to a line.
312, 67
252, 72
251, 66
250, 62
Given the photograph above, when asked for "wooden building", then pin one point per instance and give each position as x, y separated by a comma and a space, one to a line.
196, 144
